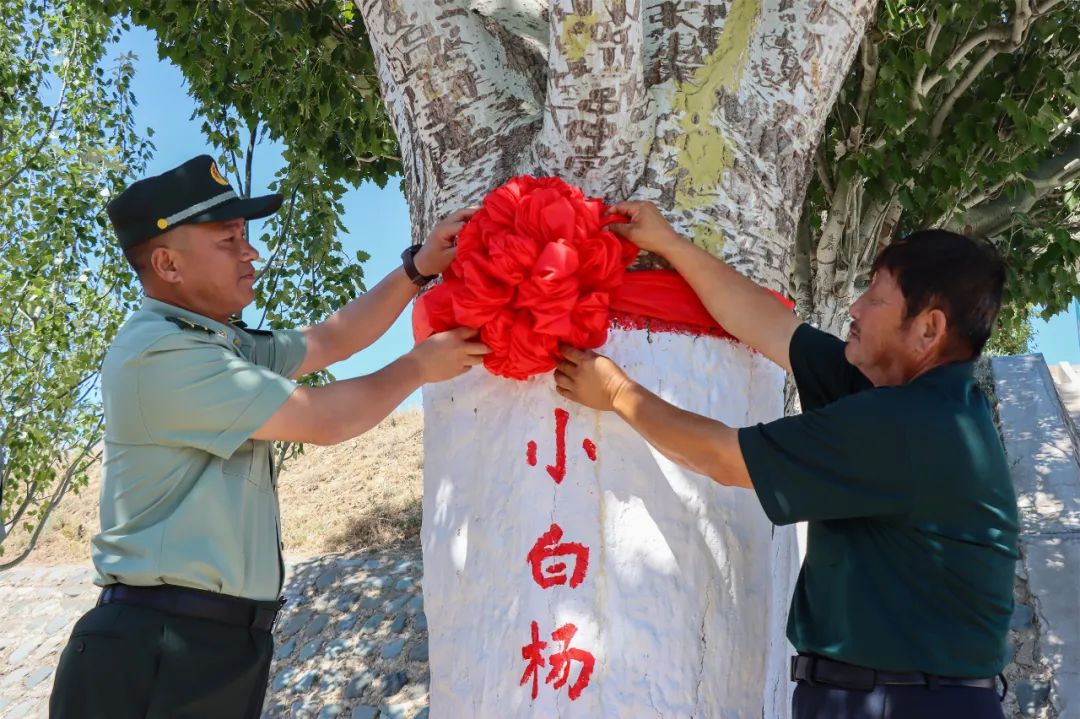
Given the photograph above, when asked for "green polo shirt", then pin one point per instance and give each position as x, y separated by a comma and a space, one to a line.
187, 498
911, 512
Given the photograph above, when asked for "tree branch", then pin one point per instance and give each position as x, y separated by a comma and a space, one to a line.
54, 501
821, 166
870, 62
1006, 37
250, 157
995, 216
938, 123
933, 32
1000, 33
52, 123
278, 246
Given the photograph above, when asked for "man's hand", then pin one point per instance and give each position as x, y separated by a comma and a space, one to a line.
440, 247
647, 228
448, 354
590, 379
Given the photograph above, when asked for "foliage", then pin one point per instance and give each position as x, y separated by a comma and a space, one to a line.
956, 114
959, 114
302, 70
67, 144
302, 75
1013, 333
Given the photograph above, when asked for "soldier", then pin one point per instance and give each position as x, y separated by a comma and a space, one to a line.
189, 554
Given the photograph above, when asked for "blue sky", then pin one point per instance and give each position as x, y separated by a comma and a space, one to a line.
377, 219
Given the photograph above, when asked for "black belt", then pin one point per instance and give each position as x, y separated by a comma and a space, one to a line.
196, 604
819, 670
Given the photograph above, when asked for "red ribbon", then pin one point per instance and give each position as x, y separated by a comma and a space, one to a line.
536, 266
658, 300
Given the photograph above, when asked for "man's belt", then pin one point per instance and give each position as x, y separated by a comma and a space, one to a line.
819, 670
196, 604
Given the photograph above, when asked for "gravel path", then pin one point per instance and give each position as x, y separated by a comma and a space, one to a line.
350, 643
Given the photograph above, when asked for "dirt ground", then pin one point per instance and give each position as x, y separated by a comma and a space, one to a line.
360, 494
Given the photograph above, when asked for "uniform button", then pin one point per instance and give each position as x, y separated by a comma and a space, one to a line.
80, 646
236, 342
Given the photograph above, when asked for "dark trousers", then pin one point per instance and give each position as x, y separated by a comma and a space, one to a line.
124, 661
892, 702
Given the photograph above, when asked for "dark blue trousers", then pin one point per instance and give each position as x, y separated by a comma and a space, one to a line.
889, 702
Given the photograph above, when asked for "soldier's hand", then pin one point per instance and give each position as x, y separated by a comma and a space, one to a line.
448, 354
440, 247
646, 227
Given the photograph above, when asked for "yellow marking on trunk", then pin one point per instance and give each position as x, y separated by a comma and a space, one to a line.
704, 152
577, 35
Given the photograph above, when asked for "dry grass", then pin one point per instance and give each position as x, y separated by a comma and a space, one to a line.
361, 493
364, 493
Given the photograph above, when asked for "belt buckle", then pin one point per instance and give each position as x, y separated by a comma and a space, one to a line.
811, 664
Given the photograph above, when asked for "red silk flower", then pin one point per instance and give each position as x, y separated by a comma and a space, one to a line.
535, 266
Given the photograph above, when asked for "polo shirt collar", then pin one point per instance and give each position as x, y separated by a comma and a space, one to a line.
951, 372
230, 334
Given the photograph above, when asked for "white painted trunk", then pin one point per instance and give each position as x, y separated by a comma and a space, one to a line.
712, 110
685, 598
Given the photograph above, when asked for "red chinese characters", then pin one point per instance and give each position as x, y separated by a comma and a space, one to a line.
548, 546
550, 561
532, 653
561, 662
557, 471
590, 449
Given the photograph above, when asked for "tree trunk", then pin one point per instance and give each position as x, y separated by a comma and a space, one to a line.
712, 111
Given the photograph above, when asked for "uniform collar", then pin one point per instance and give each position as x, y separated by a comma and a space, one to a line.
233, 336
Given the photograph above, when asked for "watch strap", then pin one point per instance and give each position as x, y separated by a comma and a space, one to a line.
408, 261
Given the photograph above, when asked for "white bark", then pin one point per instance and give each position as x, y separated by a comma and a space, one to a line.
713, 111
595, 122
462, 98
685, 599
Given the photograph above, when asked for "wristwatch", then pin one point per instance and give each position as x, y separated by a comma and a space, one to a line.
409, 262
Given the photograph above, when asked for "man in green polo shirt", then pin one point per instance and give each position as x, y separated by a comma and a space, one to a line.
902, 606
189, 553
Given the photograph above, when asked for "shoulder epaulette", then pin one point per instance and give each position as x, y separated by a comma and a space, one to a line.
239, 324
186, 324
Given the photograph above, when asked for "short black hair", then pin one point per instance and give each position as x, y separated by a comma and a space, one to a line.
962, 276
138, 256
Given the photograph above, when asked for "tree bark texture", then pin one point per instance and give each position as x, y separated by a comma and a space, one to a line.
713, 111
710, 110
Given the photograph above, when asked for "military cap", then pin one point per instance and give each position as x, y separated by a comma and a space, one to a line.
193, 192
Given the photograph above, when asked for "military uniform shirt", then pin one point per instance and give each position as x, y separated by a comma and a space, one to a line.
912, 519
187, 498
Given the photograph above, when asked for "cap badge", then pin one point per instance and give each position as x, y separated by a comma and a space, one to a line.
217, 175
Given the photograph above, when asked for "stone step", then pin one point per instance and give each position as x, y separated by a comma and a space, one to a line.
1039, 409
